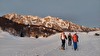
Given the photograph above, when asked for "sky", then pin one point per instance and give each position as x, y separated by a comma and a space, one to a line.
82, 12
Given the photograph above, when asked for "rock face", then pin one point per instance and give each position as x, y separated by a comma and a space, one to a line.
25, 30
28, 25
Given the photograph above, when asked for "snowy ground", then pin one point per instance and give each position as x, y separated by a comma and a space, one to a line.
89, 45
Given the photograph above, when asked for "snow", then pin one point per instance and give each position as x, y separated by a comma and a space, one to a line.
18, 46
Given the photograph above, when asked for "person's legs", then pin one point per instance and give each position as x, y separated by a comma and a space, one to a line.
63, 44
75, 45
69, 43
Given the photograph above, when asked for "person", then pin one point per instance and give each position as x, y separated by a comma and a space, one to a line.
69, 39
75, 40
63, 38
36, 36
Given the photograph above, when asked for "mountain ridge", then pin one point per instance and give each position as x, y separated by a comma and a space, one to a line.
53, 24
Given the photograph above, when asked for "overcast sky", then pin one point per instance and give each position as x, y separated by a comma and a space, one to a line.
83, 12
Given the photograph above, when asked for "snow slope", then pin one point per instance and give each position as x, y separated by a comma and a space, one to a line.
89, 45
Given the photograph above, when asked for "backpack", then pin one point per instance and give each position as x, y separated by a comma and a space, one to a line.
69, 37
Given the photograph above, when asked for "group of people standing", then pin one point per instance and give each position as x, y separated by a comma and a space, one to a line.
71, 39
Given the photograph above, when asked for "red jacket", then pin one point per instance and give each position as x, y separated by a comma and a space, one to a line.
75, 38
